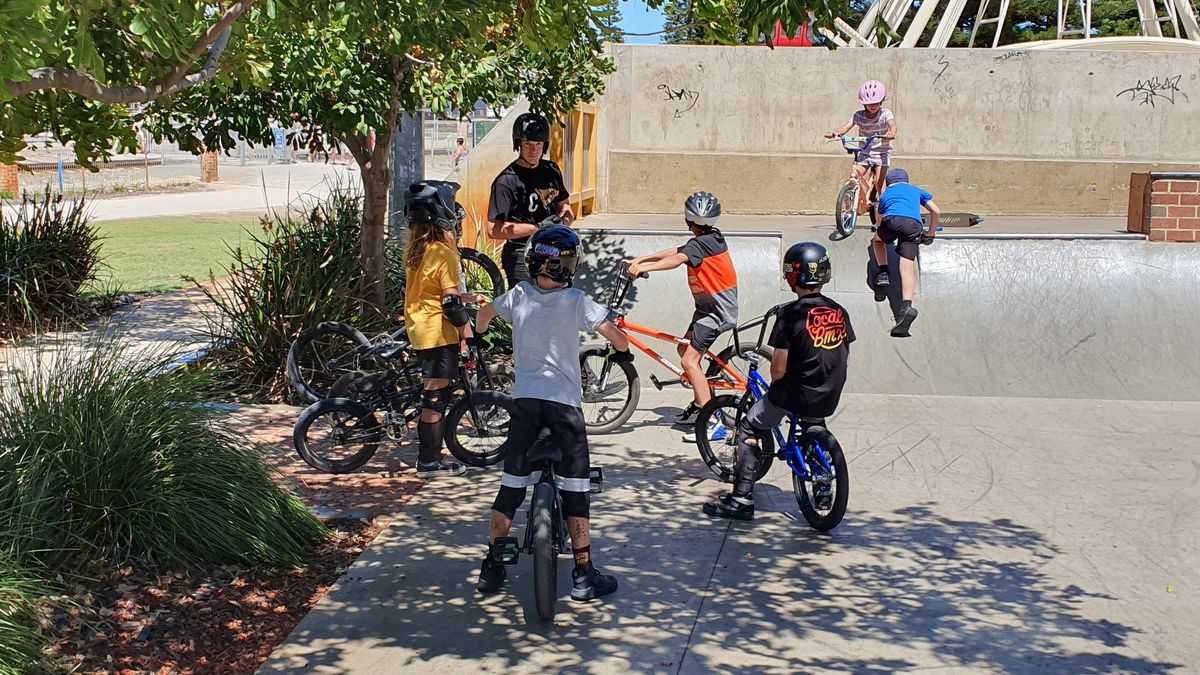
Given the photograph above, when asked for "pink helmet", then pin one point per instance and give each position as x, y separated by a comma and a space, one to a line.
872, 91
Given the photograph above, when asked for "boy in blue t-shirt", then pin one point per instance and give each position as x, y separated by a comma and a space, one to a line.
900, 209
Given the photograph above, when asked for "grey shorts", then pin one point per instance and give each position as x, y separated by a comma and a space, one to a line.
765, 415
705, 329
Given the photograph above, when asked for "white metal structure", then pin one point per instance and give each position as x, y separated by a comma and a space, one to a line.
1074, 23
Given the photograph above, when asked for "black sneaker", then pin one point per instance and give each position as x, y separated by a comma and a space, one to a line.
726, 507
688, 417
883, 280
491, 574
904, 321
445, 467
590, 583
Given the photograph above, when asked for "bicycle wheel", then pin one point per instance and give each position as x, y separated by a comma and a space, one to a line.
846, 211
820, 516
545, 560
720, 455
739, 363
481, 275
609, 403
337, 435
320, 355
477, 427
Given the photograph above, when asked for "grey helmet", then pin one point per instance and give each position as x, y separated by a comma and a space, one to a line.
702, 209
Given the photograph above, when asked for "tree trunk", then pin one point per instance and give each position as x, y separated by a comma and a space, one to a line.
376, 173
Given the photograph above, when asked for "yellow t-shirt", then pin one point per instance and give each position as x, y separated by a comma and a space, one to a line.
427, 325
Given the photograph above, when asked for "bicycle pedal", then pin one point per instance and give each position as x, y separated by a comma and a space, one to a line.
506, 550
596, 479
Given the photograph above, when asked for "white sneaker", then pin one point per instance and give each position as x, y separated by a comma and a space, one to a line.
445, 467
716, 432
688, 416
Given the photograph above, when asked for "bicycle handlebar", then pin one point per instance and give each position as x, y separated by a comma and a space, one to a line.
760, 323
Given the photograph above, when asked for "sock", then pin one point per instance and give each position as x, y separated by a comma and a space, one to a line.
583, 556
904, 305
883, 269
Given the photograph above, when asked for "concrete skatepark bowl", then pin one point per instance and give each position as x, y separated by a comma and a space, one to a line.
1023, 499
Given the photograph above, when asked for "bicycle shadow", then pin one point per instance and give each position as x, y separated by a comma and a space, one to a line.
908, 586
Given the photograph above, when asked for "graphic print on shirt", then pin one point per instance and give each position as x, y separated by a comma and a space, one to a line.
542, 197
827, 327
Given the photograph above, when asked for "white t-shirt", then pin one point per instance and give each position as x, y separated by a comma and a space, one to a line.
869, 127
546, 327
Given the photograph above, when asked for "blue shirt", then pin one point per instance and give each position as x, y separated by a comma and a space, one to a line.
903, 199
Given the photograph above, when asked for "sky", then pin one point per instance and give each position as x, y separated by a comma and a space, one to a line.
636, 18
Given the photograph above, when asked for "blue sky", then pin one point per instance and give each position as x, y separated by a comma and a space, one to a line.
636, 18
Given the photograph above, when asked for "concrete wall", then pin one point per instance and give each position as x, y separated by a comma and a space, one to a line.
991, 131
476, 173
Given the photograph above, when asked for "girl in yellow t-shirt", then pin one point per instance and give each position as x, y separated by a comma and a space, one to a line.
434, 313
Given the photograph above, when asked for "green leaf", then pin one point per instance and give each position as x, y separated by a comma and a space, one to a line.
271, 9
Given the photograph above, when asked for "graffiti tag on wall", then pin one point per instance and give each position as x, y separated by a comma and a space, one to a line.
1154, 91
684, 98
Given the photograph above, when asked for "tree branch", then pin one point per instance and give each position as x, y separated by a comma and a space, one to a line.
87, 86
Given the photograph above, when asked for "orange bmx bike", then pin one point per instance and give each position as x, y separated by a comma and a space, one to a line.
611, 390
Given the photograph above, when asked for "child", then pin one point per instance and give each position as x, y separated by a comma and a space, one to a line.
713, 283
900, 208
812, 339
434, 312
873, 119
547, 316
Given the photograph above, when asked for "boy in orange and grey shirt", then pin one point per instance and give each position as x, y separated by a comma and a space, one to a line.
713, 283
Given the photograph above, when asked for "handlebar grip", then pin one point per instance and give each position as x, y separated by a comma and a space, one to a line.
644, 275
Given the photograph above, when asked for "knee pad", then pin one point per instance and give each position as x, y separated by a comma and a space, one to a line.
576, 504
436, 400
508, 500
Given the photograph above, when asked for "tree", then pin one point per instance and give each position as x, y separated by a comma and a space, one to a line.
74, 67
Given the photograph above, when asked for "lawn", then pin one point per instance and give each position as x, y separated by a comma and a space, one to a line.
147, 254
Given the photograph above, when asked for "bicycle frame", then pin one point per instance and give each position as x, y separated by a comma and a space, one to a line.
715, 382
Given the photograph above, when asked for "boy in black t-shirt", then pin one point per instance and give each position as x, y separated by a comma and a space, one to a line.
812, 339
526, 192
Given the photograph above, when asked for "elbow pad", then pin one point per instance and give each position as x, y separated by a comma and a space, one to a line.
455, 311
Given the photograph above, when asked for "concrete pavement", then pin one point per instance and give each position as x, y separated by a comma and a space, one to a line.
983, 534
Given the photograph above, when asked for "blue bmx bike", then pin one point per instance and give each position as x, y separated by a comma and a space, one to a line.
820, 478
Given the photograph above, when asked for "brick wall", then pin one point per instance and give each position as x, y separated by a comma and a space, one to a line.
1165, 207
9, 181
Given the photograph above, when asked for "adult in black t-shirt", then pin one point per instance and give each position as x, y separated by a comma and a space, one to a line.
812, 339
525, 193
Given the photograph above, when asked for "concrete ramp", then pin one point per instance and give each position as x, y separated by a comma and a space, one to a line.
1047, 319
1016, 318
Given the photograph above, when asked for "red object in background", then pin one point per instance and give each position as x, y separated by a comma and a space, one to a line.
799, 40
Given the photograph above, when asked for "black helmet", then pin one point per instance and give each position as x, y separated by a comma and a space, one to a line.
702, 210
807, 264
531, 127
554, 252
432, 201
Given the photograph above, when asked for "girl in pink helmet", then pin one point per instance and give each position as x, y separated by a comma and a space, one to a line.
871, 120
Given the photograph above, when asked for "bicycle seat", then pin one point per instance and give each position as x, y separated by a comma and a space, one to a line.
544, 449
395, 350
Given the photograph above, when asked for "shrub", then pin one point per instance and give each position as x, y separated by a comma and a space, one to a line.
302, 269
21, 641
104, 459
48, 253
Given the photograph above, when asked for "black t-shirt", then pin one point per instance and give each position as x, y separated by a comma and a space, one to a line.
817, 333
527, 195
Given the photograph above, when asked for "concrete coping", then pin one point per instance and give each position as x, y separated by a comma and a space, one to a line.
675, 233
1114, 236
1185, 175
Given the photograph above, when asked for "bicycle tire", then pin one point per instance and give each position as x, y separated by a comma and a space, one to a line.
740, 364
813, 437
314, 385
493, 285
352, 419
495, 410
595, 403
720, 456
545, 558
846, 211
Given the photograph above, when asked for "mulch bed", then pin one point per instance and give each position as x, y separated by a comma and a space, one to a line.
229, 620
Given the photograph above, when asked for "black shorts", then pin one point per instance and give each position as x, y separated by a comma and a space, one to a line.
904, 232
439, 363
512, 259
567, 432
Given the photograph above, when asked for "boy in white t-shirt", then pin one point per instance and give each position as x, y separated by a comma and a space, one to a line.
873, 119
